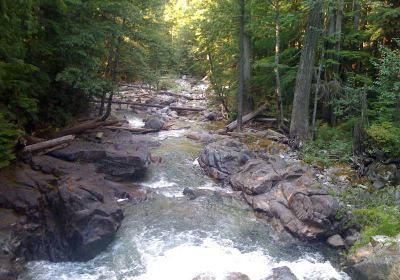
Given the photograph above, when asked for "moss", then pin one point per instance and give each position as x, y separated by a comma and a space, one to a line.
377, 212
381, 220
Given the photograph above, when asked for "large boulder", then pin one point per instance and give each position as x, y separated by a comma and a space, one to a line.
378, 260
225, 157
154, 123
67, 211
287, 193
115, 159
282, 273
382, 174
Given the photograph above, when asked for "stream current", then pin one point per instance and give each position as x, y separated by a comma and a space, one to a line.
171, 237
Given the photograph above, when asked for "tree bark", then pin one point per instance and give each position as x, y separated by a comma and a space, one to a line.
247, 118
109, 105
338, 37
103, 100
248, 105
278, 92
300, 113
86, 126
241, 85
48, 144
317, 90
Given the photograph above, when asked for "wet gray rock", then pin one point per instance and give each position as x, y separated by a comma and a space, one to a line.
378, 262
224, 157
286, 192
289, 194
256, 177
163, 100
204, 136
352, 236
193, 193
282, 273
154, 123
382, 174
114, 159
236, 276
67, 211
336, 241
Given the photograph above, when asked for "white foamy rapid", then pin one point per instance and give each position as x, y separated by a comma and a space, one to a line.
164, 187
175, 133
218, 258
183, 256
135, 121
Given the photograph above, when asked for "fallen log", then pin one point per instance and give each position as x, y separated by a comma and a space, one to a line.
247, 118
181, 95
58, 147
174, 108
269, 134
133, 129
86, 126
48, 144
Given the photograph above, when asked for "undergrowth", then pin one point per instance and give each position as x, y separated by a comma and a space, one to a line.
332, 145
376, 212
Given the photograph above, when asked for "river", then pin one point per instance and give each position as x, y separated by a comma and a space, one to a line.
171, 237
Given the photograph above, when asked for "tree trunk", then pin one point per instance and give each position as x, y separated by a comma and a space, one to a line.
317, 90
241, 85
103, 100
109, 106
247, 99
247, 118
338, 37
357, 12
300, 113
278, 92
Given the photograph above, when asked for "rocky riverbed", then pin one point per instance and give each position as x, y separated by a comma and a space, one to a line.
182, 203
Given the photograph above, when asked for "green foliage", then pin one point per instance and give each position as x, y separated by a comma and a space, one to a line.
56, 55
377, 212
385, 136
8, 138
332, 145
388, 85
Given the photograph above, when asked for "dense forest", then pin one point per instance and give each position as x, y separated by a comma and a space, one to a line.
325, 73
329, 70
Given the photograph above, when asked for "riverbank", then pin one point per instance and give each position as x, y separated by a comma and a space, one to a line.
71, 203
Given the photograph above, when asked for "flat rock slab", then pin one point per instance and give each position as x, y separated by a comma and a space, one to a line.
114, 159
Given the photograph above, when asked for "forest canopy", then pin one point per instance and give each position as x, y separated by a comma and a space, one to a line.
57, 55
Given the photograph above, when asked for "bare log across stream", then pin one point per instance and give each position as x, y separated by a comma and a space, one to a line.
187, 97
247, 118
175, 108
137, 130
48, 144
86, 126
181, 95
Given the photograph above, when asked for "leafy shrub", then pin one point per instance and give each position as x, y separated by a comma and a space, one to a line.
386, 136
8, 137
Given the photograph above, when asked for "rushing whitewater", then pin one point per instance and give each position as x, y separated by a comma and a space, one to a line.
171, 237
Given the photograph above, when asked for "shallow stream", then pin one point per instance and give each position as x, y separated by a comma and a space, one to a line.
171, 237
